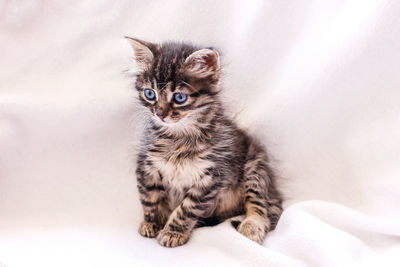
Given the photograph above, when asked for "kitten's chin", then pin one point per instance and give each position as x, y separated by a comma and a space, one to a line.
182, 126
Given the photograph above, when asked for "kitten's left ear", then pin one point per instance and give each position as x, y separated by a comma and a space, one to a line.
142, 51
203, 63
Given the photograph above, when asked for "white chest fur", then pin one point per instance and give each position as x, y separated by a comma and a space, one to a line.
178, 178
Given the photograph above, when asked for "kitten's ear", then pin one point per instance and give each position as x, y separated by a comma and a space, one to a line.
202, 63
143, 55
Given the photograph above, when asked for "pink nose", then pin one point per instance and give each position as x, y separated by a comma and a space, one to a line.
161, 116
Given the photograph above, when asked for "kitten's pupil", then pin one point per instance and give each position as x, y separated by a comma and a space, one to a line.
180, 98
150, 94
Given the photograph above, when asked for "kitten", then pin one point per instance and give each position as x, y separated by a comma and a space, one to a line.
195, 167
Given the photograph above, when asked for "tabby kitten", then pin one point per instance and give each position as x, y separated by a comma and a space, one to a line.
195, 167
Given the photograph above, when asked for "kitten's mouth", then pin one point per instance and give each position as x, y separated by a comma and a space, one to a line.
168, 119
161, 117
165, 120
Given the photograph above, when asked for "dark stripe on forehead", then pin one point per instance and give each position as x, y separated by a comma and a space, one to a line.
173, 86
172, 75
166, 65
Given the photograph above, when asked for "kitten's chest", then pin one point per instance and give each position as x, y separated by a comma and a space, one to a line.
179, 176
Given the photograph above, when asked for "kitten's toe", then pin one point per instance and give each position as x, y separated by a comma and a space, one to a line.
171, 239
252, 229
148, 229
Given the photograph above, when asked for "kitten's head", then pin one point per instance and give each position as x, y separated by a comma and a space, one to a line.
177, 82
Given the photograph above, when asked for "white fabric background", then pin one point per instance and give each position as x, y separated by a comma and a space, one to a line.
318, 81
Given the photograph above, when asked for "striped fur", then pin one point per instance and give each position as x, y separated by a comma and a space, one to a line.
196, 167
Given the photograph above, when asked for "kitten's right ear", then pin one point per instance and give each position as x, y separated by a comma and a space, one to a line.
143, 55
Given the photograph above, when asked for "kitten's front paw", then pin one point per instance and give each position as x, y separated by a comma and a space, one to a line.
252, 230
171, 239
148, 229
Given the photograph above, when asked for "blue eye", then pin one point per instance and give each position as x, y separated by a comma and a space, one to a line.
149, 94
180, 98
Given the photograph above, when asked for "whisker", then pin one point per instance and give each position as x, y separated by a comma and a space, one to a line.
161, 84
187, 84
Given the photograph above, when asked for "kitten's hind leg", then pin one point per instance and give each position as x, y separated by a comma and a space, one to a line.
259, 188
254, 226
274, 209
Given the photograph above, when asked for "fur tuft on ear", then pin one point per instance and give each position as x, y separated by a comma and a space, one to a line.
143, 55
202, 63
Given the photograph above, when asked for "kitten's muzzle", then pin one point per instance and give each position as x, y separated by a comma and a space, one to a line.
161, 114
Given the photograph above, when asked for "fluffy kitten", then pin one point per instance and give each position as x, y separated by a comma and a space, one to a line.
195, 166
